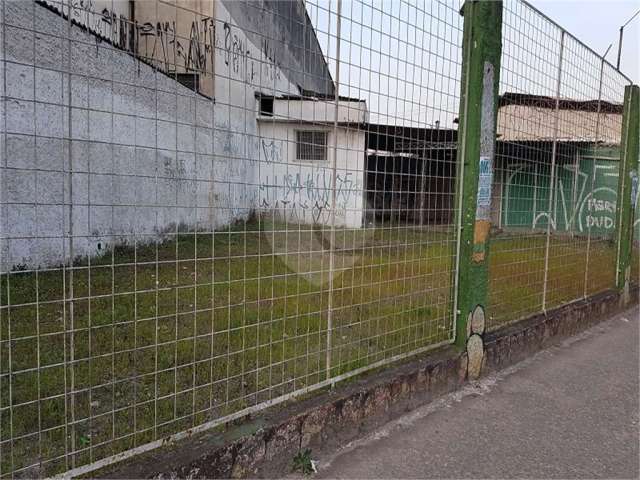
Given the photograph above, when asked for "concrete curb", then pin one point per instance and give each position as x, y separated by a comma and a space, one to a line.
513, 343
265, 446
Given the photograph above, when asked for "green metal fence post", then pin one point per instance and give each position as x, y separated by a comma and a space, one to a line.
627, 188
482, 45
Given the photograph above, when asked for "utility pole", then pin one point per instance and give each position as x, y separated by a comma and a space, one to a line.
482, 46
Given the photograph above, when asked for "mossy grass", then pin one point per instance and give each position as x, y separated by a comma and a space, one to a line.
162, 337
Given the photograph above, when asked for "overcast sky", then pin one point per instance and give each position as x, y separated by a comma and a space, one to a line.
597, 23
403, 56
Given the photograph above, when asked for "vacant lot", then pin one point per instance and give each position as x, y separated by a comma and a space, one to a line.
162, 337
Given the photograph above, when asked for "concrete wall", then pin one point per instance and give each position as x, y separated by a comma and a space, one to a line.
265, 42
185, 36
92, 13
287, 39
118, 152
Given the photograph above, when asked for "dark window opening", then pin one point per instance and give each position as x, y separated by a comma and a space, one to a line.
266, 107
189, 80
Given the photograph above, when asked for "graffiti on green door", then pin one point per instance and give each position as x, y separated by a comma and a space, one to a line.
584, 197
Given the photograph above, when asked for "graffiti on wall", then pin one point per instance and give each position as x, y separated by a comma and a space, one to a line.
163, 45
584, 197
297, 193
271, 150
598, 210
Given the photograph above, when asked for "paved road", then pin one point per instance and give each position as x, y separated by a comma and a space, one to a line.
569, 412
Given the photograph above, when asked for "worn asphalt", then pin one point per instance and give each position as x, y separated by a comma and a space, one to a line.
568, 412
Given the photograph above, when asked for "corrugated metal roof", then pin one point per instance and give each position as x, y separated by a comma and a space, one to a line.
529, 100
535, 122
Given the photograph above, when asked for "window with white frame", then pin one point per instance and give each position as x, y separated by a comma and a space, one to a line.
311, 145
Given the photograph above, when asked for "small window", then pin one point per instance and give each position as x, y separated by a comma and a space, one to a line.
311, 145
266, 107
189, 80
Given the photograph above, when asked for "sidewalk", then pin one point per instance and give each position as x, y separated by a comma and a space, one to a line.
568, 412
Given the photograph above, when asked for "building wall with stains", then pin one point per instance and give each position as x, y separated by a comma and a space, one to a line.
265, 41
116, 151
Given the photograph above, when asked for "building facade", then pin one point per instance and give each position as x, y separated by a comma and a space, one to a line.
129, 122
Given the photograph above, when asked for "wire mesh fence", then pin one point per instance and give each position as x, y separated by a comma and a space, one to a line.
204, 215
212, 207
558, 150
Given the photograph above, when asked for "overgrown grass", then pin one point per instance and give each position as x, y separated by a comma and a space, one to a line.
162, 337
517, 269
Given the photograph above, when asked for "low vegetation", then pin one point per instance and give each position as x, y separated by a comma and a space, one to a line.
162, 337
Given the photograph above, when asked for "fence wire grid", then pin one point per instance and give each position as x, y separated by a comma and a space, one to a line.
558, 150
212, 207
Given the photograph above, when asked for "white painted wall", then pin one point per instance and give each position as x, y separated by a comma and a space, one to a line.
118, 153
319, 111
301, 191
146, 155
113, 153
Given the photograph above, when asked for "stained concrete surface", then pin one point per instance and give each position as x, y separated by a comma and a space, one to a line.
568, 412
